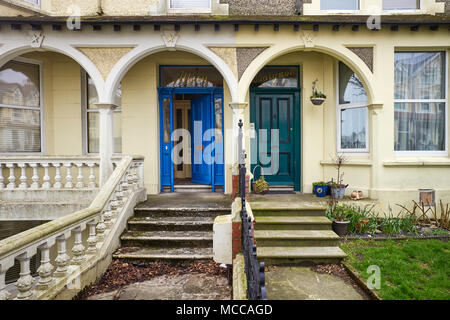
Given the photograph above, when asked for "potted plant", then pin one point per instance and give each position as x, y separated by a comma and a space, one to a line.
320, 189
317, 98
260, 186
338, 188
340, 217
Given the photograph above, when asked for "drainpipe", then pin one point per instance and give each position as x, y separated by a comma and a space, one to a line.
298, 7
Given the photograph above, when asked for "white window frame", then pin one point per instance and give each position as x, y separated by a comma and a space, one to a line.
394, 11
41, 108
84, 115
340, 10
418, 153
339, 107
171, 10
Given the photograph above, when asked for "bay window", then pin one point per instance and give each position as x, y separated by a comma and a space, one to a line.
20, 107
401, 4
420, 102
92, 119
339, 5
352, 112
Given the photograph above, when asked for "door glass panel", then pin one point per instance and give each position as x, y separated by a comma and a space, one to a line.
218, 113
166, 119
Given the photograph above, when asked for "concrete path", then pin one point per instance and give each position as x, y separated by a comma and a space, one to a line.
301, 283
179, 287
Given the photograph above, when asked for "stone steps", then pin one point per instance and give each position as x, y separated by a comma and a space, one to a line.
296, 238
293, 223
171, 224
295, 235
169, 234
273, 255
289, 212
155, 254
165, 239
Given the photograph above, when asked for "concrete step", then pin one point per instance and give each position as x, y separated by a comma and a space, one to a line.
292, 255
292, 223
289, 212
296, 238
167, 239
180, 212
171, 224
155, 254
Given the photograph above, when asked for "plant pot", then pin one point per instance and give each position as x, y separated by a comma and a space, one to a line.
320, 191
338, 192
340, 227
317, 101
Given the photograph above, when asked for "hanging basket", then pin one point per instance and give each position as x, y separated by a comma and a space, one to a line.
318, 101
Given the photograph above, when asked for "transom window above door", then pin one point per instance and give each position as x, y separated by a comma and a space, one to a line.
339, 5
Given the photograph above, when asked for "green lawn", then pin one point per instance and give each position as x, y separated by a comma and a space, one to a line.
410, 269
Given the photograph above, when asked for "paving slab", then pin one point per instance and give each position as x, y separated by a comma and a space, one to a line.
302, 283
179, 287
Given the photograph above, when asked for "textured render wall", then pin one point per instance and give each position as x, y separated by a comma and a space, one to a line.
261, 7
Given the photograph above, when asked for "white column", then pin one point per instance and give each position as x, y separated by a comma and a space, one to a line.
238, 114
23, 176
35, 177
106, 140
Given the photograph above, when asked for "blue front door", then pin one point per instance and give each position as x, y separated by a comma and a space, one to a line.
201, 122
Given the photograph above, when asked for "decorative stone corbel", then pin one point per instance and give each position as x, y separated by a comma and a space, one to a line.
36, 39
170, 39
308, 39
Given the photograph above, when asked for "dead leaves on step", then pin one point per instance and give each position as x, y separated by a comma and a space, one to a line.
121, 273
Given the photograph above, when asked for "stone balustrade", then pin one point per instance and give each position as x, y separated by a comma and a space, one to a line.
73, 253
44, 173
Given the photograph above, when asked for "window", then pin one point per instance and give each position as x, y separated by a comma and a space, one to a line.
401, 4
420, 102
92, 116
190, 4
20, 107
339, 5
352, 112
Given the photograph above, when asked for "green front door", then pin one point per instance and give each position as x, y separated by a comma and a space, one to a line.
277, 110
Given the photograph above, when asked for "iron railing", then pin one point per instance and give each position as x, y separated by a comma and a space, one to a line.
256, 287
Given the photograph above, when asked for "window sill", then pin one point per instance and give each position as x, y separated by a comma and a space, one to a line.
361, 163
443, 162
